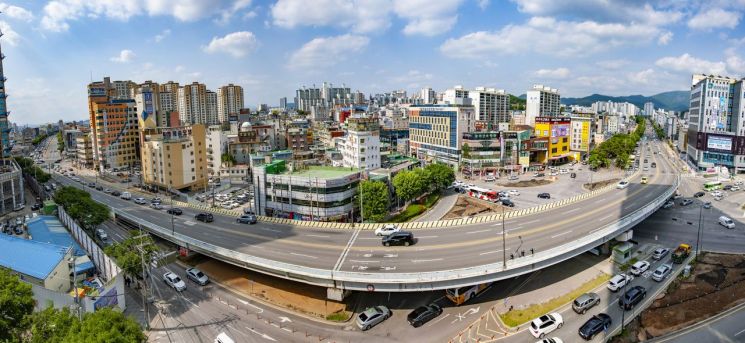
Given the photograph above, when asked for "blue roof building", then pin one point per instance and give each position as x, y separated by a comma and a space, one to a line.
49, 229
35, 262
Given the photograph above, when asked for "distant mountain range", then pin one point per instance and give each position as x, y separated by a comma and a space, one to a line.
672, 101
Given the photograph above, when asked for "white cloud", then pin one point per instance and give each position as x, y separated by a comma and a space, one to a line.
715, 18
558, 73
58, 13
16, 12
613, 64
692, 65
642, 77
9, 35
735, 63
665, 38
325, 51
125, 56
563, 38
227, 14
603, 10
237, 44
483, 4
424, 17
161, 36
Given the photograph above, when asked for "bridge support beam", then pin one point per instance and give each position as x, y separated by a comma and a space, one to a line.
336, 294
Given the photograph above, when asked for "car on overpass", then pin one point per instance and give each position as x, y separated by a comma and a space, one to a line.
622, 185
544, 195
205, 217
659, 253
662, 272
246, 219
387, 229
595, 325
175, 211
372, 316
140, 201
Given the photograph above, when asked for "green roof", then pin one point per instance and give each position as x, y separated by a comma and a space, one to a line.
324, 172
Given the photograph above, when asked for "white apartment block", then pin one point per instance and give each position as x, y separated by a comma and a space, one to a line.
217, 143
491, 105
212, 117
612, 124
456, 96
542, 101
230, 101
360, 148
147, 99
169, 96
428, 96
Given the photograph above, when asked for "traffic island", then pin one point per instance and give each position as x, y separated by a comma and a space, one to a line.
599, 184
716, 284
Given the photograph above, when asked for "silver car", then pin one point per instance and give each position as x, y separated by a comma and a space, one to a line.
585, 302
372, 316
662, 272
197, 276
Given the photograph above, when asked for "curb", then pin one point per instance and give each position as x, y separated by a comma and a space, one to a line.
699, 324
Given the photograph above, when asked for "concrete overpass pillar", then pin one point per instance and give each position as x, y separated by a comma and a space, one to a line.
337, 294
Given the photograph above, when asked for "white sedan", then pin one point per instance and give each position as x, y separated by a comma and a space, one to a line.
513, 192
639, 267
386, 230
622, 185
173, 280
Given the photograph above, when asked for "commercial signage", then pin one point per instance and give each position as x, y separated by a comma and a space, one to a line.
719, 143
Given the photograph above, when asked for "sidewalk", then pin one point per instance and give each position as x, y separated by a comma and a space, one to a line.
441, 208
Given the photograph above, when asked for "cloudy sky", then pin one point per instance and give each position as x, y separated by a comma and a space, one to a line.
54, 48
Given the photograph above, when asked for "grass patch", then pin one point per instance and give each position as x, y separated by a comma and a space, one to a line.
521, 316
341, 316
624, 267
414, 210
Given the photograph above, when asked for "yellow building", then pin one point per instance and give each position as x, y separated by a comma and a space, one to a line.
174, 157
557, 131
580, 140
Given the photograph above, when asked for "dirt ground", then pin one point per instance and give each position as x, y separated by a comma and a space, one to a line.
528, 183
295, 296
467, 206
715, 285
600, 184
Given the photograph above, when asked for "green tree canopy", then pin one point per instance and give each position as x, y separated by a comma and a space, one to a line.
51, 325
466, 150
127, 252
440, 175
79, 205
105, 325
375, 200
407, 185
16, 306
618, 148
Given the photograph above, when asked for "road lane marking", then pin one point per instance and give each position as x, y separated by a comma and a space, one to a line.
303, 255
263, 335
560, 234
532, 221
428, 260
574, 210
268, 229
438, 319
319, 236
364, 261
490, 252
606, 217
737, 334
427, 236
370, 238
348, 247
478, 231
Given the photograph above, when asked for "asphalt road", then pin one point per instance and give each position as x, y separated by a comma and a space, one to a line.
725, 328
436, 249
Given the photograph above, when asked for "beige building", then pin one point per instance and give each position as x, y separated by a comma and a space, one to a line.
229, 101
114, 124
174, 157
84, 150
195, 105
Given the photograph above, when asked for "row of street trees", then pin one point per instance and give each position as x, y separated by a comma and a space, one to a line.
29, 167
617, 149
60, 142
79, 205
19, 322
408, 185
38, 139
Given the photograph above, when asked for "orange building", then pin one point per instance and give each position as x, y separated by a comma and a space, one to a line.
114, 126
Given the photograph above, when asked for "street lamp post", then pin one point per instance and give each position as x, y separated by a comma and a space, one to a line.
700, 231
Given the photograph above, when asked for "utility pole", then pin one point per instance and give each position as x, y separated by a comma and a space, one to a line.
144, 280
504, 242
173, 226
700, 232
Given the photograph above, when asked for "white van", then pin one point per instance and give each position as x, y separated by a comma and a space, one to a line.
726, 222
223, 338
126, 195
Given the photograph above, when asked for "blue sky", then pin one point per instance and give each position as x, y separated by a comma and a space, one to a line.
271, 48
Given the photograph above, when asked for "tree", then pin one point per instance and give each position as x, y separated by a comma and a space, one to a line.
60, 142
375, 200
127, 252
406, 185
228, 158
466, 150
16, 306
440, 175
51, 325
105, 325
79, 205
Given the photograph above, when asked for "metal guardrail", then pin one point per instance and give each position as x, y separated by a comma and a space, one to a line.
399, 282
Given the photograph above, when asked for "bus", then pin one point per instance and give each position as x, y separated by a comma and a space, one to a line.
482, 193
461, 295
712, 185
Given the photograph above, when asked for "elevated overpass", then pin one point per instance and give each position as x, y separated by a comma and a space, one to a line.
448, 254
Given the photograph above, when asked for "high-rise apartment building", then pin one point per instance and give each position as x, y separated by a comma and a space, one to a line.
230, 102
716, 128
114, 125
282, 103
123, 89
456, 96
147, 98
648, 108
541, 101
492, 105
197, 105
211, 106
327, 96
428, 96
174, 157
360, 148
4, 123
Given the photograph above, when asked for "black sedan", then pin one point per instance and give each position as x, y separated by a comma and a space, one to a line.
544, 195
699, 194
593, 326
205, 217
423, 314
176, 211
404, 238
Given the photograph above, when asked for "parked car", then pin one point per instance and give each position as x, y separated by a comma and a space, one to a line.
513, 192
18, 230
140, 201
539, 175
707, 205
99, 188
545, 324
717, 194
173, 280
490, 179
573, 175
668, 204
662, 272
175, 211
404, 238
551, 340
205, 217
107, 191
372, 316
422, 314
619, 281
727, 188
632, 297
386, 230
639, 268
116, 193
91, 185
585, 302
686, 202
246, 219
595, 325
544, 195
735, 188
197, 276
659, 253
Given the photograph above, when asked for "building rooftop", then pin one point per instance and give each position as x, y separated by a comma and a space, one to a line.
48, 229
36, 259
324, 172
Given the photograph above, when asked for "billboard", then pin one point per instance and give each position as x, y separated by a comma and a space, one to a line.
719, 143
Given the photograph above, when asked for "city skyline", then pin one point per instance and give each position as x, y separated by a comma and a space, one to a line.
272, 48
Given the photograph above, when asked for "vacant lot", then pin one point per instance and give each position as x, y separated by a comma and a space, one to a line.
467, 206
